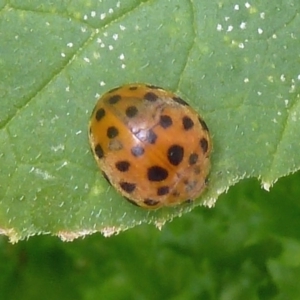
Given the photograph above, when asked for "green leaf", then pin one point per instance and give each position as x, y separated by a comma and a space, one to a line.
237, 63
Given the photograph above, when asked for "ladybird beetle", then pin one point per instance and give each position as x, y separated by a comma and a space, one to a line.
150, 145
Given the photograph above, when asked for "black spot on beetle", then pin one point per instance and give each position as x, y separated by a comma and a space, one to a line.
100, 113
204, 145
123, 165
114, 99
151, 97
175, 154
165, 121
99, 151
187, 123
193, 158
112, 132
131, 111
128, 187
163, 190
157, 173
151, 202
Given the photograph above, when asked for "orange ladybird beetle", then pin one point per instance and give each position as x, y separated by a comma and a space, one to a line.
150, 145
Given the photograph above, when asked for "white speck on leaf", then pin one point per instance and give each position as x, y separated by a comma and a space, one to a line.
230, 27
241, 45
145, 66
65, 163
243, 25
159, 224
85, 17
102, 83
93, 14
260, 31
262, 15
109, 231
44, 174
63, 54
227, 18
52, 121
96, 55
57, 148
294, 116
78, 132
122, 27
122, 56
70, 45
247, 5
219, 27
274, 36
282, 77
110, 11
102, 16
246, 80
236, 7
292, 88
266, 186
110, 47
86, 59
67, 89
99, 41
123, 66
115, 36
